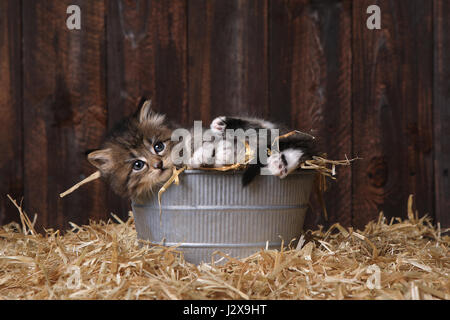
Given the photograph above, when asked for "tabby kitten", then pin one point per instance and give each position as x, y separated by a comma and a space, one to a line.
135, 157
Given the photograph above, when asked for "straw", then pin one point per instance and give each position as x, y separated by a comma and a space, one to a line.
388, 259
92, 177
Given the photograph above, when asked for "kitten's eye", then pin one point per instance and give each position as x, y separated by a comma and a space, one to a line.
159, 147
138, 165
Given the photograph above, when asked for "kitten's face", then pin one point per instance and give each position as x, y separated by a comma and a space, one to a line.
136, 159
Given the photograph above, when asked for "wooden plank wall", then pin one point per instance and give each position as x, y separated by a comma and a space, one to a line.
382, 95
441, 110
392, 109
64, 114
11, 147
310, 85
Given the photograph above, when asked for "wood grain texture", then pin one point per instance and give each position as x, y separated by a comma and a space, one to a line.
382, 95
64, 110
11, 160
392, 114
147, 52
310, 86
147, 56
441, 110
228, 58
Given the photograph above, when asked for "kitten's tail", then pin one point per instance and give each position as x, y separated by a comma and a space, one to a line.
250, 173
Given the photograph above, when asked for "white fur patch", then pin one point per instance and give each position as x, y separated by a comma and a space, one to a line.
276, 165
218, 125
203, 155
268, 125
157, 119
224, 153
292, 157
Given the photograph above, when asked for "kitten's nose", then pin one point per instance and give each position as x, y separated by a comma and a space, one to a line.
158, 165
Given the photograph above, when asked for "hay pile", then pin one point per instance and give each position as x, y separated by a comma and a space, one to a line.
387, 260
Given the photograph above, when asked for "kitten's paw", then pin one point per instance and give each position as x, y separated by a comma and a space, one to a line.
202, 156
224, 153
277, 165
218, 125
281, 164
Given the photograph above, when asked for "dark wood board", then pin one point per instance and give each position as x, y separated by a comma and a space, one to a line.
441, 110
11, 160
147, 56
310, 86
392, 113
228, 58
64, 110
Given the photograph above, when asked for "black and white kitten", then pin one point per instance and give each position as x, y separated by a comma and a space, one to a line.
292, 150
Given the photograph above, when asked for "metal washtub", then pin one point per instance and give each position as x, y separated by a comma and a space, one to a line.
210, 211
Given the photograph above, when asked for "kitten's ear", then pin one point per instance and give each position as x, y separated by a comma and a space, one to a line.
147, 115
146, 111
101, 159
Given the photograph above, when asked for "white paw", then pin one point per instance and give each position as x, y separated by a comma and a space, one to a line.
202, 156
218, 125
277, 165
224, 153
281, 164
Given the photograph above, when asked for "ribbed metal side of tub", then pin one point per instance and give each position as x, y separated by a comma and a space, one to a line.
211, 211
